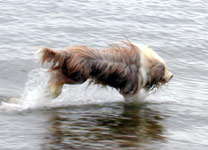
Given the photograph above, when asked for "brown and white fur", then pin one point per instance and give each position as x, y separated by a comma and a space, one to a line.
128, 68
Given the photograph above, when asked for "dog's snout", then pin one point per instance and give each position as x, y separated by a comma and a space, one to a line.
168, 76
171, 76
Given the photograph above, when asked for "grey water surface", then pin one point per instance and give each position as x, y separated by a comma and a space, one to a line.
176, 117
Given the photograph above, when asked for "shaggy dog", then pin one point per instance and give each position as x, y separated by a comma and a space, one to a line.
128, 68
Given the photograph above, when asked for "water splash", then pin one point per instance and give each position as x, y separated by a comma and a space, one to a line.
35, 96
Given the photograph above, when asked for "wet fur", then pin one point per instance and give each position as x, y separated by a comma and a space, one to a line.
117, 66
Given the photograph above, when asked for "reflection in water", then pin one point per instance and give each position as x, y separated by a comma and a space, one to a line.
108, 127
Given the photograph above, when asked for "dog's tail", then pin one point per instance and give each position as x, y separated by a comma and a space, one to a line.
49, 55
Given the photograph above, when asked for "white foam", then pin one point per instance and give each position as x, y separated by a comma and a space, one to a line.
35, 96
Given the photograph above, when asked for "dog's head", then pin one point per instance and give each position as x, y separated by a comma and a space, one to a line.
155, 67
159, 74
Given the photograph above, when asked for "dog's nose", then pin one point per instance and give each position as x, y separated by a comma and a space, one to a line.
171, 76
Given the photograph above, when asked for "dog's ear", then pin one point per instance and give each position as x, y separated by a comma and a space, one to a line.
157, 72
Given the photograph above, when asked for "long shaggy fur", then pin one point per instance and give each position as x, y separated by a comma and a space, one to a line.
126, 68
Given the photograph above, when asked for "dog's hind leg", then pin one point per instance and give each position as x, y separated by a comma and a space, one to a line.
56, 82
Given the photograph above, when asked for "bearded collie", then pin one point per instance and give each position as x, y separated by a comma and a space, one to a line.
129, 68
